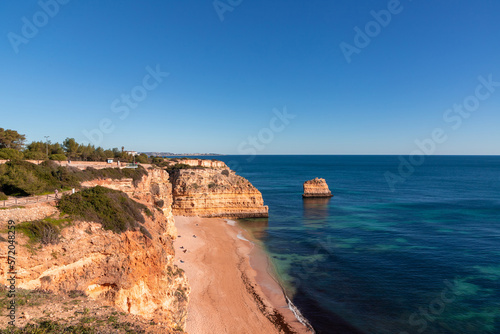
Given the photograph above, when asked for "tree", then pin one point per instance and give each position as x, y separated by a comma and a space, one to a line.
71, 147
11, 139
34, 155
109, 154
117, 153
58, 157
86, 151
11, 154
55, 149
36, 146
142, 158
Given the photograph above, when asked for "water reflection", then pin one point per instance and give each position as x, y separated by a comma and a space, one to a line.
316, 208
256, 226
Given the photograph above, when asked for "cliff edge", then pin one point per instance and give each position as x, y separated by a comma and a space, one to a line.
211, 192
132, 271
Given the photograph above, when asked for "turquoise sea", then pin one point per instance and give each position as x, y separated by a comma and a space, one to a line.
424, 258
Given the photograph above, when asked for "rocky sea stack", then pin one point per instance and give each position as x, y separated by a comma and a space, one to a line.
316, 188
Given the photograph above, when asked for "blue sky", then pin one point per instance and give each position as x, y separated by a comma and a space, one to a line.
228, 78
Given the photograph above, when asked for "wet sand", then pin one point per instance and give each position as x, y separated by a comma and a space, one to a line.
231, 290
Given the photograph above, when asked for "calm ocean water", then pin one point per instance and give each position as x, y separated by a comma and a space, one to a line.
422, 259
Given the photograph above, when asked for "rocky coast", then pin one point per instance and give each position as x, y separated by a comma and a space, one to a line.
191, 273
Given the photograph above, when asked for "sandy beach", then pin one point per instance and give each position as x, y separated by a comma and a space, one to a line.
228, 294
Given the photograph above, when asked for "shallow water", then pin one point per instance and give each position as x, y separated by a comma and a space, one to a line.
421, 259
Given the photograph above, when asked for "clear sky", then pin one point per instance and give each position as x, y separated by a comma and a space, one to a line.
233, 64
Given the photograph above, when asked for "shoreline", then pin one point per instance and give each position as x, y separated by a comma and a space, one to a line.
232, 290
267, 278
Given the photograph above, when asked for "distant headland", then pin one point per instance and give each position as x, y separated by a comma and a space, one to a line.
170, 154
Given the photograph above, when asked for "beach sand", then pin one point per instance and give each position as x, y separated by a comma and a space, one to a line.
225, 296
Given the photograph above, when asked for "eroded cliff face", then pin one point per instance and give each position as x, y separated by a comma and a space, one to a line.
199, 163
316, 188
153, 189
215, 192
130, 271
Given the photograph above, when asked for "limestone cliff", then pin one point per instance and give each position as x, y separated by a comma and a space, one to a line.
316, 188
130, 271
198, 163
154, 188
215, 192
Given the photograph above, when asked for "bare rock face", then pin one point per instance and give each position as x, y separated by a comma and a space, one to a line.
210, 192
133, 271
316, 188
154, 189
199, 163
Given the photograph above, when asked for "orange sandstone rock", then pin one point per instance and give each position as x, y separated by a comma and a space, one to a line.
316, 188
209, 192
130, 271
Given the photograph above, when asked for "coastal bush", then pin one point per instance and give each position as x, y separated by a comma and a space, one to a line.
49, 326
58, 157
145, 231
10, 154
30, 155
225, 172
177, 167
148, 212
135, 174
113, 209
45, 231
3, 197
22, 178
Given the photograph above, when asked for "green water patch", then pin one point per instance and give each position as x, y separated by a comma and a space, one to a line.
383, 247
489, 272
401, 240
315, 223
422, 247
480, 320
445, 230
284, 263
463, 288
351, 240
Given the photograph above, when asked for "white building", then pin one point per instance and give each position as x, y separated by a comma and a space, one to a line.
133, 153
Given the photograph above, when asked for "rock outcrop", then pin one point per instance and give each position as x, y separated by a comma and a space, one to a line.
198, 163
316, 188
209, 192
131, 271
32, 212
154, 188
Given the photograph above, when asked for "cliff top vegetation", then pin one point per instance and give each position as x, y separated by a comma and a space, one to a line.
22, 178
113, 209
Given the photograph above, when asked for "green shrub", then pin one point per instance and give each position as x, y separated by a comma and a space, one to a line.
49, 326
34, 155
45, 231
176, 167
135, 174
3, 197
10, 154
145, 231
148, 212
58, 157
225, 172
22, 178
113, 209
